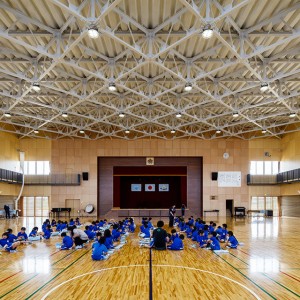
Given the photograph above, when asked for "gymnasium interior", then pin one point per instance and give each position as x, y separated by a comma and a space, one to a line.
118, 109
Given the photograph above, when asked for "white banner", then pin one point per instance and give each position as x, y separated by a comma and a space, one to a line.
229, 179
150, 187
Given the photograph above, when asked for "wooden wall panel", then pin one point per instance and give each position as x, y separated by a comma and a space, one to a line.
290, 206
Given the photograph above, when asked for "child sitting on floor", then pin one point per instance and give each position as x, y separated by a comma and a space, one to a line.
7, 245
67, 242
177, 243
232, 242
34, 235
91, 234
213, 242
223, 236
99, 249
201, 239
22, 236
11, 236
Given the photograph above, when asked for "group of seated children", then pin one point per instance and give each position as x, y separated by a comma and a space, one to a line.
208, 236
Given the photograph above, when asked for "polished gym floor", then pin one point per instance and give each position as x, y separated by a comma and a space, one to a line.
266, 266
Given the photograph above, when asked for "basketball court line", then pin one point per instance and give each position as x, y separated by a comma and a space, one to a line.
263, 273
2, 280
160, 266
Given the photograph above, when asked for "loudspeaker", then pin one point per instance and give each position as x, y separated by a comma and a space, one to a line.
214, 176
85, 176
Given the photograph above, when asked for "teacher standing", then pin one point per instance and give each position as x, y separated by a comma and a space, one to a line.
7, 211
172, 211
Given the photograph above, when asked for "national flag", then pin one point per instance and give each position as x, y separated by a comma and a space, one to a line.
150, 187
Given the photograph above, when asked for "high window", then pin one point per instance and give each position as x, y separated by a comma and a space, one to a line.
264, 167
36, 167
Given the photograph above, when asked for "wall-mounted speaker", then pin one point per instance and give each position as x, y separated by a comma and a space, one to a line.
85, 175
214, 176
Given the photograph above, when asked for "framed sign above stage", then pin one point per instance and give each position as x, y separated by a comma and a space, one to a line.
136, 187
163, 187
150, 187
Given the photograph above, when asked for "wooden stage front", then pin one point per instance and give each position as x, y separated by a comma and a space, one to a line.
267, 266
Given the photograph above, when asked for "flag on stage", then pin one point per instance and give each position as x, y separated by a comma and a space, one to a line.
163, 187
150, 187
136, 187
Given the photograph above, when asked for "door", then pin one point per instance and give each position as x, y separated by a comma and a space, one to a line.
229, 207
74, 204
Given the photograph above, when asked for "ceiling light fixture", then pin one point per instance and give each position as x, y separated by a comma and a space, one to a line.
93, 32
127, 131
264, 87
112, 87
36, 86
121, 115
81, 131
64, 114
218, 131
178, 115
173, 131
207, 32
292, 115
264, 131
7, 114
188, 87
235, 114
36, 131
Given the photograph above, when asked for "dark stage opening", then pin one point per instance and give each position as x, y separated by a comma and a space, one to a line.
150, 187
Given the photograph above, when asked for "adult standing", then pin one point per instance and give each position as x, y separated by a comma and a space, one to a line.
183, 210
160, 237
7, 211
172, 211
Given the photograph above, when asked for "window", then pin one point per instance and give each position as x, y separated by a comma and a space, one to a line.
265, 203
36, 167
35, 206
264, 167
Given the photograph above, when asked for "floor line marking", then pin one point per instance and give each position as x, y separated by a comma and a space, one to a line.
290, 276
277, 282
261, 288
57, 275
10, 276
172, 266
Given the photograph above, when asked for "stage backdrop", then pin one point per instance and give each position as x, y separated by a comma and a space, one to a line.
108, 187
150, 187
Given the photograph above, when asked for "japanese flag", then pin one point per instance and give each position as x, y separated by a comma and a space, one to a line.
150, 187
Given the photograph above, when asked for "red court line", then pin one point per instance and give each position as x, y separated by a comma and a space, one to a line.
290, 276
10, 276
54, 252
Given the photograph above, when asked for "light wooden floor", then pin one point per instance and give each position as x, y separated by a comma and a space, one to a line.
266, 267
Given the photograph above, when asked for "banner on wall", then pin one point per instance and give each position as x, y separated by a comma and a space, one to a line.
163, 187
150, 187
229, 179
136, 187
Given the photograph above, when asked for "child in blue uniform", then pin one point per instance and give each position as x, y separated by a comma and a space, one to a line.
213, 242
232, 242
11, 236
177, 243
174, 235
67, 242
108, 239
22, 236
7, 245
223, 236
91, 234
47, 232
201, 239
116, 232
99, 249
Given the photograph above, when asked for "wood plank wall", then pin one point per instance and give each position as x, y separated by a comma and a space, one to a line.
290, 206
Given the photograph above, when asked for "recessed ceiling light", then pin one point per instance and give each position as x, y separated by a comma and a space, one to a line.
235, 114
65, 114
93, 32
173, 131
207, 32
264, 131
36, 131
188, 87
292, 115
112, 87
264, 87
218, 131
81, 131
121, 115
36, 86
7, 114
178, 115
127, 131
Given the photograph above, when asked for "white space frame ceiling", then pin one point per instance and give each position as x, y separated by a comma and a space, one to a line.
150, 49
